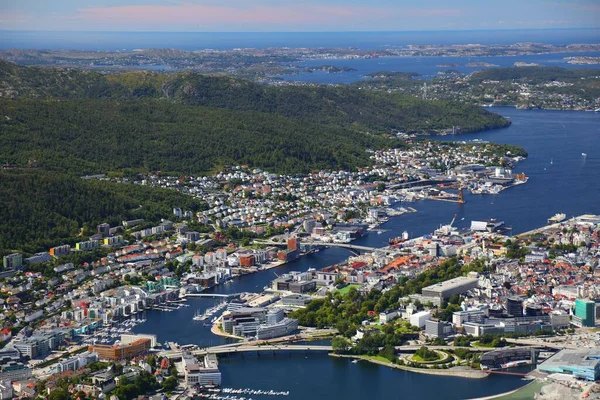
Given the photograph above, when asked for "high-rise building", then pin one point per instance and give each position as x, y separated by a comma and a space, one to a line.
585, 312
514, 306
13, 261
103, 229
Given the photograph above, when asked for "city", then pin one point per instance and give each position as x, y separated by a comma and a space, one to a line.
304, 200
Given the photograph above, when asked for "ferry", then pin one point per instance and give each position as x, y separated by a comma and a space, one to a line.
512, 364
557, 218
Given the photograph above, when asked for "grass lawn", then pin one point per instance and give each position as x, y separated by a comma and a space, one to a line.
347, 288
527, 392
477, 344
419, 359
379, 358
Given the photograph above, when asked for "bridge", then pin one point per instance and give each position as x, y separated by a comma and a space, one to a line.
240, 348
352, 247
214, 295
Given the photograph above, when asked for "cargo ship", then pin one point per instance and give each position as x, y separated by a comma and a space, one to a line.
560, 217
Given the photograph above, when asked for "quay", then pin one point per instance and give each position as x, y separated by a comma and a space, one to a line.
580, 218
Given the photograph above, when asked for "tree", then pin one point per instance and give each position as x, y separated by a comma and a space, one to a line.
340, 345
388, 352
170, 384
59, 394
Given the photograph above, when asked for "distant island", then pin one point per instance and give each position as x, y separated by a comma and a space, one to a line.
258, 64
330, 69
583, 60
526, 64
481, 64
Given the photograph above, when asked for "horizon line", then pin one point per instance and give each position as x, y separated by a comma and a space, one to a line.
300, 31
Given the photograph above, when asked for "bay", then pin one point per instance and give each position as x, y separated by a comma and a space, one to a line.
427, 67
561, 180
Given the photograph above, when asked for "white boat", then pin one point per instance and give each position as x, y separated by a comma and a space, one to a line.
354, 361
557, 218
197, 316
584, 154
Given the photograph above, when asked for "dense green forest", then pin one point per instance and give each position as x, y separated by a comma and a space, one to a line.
91, 136
86, 122
341, 105
42, 209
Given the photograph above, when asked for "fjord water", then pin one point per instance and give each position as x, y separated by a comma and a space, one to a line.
119, 41
427, 67
561, 180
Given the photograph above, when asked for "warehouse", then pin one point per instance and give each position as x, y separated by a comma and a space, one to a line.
443, 290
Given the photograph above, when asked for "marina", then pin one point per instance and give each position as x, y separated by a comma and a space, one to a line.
210, 312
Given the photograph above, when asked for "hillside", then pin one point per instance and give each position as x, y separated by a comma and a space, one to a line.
343, 105
96, 136
41, 209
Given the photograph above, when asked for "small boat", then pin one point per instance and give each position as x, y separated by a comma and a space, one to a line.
584, 154
354, 361
197, 316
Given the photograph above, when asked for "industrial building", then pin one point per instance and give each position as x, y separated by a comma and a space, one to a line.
131, 337
418, 319
460, 317
582, 364
75, 362
438, 329
121, 351
205, 373
443, 290
11, 368
505, 358
514, 306
296, 300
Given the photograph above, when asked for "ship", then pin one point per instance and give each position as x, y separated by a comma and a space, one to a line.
197, 316
557, 218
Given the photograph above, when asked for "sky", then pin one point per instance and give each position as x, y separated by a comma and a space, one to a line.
295, 15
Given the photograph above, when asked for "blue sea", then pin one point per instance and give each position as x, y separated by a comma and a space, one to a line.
127, 41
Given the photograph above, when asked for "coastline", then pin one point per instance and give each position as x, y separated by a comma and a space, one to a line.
214, 329
460, 373
500, 395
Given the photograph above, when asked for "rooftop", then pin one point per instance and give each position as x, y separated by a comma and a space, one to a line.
451, 284
583, 359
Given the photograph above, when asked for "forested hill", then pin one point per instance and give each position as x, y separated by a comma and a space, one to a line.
341, 105
42, 209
